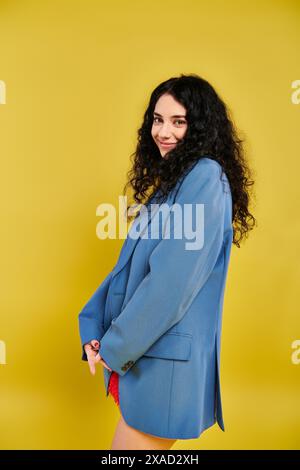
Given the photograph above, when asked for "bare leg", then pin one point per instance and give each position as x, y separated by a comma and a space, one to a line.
128, 438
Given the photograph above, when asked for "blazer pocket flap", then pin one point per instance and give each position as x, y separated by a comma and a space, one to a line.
171, 346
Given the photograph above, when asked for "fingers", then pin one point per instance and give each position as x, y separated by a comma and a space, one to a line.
91, 355
105, 365
93, 358
99, 359
95, 344
92, 365
87, 348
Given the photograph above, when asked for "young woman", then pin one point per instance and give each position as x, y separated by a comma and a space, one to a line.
154, 323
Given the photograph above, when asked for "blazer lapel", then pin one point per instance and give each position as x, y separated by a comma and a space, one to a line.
128, 246
144, 221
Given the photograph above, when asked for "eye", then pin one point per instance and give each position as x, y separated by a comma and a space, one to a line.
180, 121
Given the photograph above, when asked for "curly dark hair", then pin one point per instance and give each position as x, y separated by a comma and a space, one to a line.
210, 132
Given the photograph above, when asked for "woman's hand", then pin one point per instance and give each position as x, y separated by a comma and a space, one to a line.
93, 357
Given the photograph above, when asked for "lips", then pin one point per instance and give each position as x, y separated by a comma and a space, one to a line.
169, 144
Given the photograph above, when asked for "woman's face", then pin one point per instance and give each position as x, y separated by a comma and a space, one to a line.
169, 123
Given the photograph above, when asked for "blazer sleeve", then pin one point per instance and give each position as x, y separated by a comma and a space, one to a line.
91, 316
176, 275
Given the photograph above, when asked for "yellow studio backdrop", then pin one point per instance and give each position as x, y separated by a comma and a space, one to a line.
75, 77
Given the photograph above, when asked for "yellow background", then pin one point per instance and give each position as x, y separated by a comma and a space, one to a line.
79, 75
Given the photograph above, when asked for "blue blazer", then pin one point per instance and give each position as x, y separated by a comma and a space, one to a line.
158, 313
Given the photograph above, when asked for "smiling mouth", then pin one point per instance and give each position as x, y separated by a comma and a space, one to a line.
166, 144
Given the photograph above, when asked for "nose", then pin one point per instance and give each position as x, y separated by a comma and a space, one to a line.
164, 131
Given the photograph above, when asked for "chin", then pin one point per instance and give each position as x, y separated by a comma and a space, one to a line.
164, 154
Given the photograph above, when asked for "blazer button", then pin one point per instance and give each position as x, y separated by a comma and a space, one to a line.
127, 365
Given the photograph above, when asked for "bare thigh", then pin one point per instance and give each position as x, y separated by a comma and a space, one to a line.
126, 437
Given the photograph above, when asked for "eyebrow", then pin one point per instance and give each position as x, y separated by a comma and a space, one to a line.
174, 116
